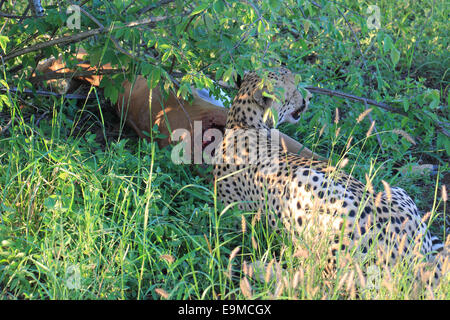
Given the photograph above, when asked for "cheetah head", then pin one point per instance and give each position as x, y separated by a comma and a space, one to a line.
288, 107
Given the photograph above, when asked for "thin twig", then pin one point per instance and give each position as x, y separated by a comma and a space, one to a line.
84, 35
6, 127
153, 6
24, 13
13, 16
94, 19
363, 58
315, 4
42, 116
416, 45
354, 36
184, 31
47, 93
112, 38
332, 93
352, 97
23, 101
70, 75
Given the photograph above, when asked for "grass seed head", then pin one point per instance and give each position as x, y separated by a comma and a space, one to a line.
405, 135
168, 258
362, 279
269, 272
363, 114
378, 199
234, 253
387, 189
343, 163
246, 288
296, 280
426, 216
278, 290
369, 132
243, 224
349, 143
162, 293
338, 130
322, 130
254, 243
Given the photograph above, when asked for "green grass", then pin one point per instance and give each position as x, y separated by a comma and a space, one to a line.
90, 213
132, 223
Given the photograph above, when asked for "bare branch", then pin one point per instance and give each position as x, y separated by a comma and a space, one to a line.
154, 6
354, 37
70, 75
13, 16
316, 4
352, 97
84, 35
113, 39
6, 127
47, 93
439, 125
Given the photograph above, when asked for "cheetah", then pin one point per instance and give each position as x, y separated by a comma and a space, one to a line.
299, 193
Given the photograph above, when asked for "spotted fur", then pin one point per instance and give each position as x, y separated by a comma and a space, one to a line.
305, 194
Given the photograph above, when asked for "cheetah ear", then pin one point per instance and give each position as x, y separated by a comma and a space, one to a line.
238, 81
261, 100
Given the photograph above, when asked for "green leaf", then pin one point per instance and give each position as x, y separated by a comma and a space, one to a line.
388, 44
306, 25
260, 27
435, 98
51, 202
146, 68
405, 105
271, 112
3, 42
447, 146
4, 83
4, 100
153, 77
395, 56
200, 8
120, 32
183, 90
218, 6
111, 92
443, 141
274, 5
227, 74
118, 4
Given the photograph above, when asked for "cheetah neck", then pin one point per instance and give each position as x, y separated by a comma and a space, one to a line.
248, 115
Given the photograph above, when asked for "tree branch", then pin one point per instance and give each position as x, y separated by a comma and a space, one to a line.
332, 93
354, 37
13, 16
84, 35
153, 6
53, 75
47, 93
352, 97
